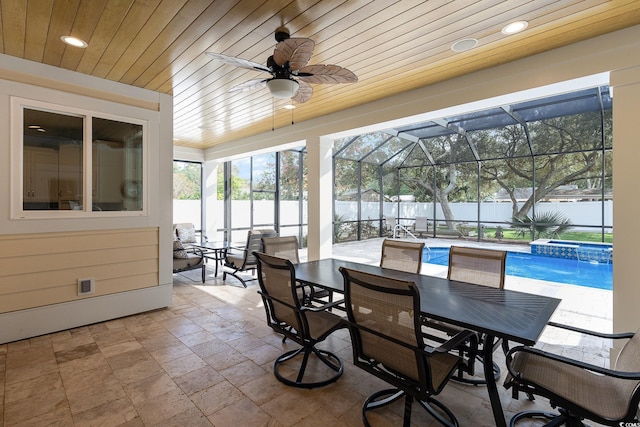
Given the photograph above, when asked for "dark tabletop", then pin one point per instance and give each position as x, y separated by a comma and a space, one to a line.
512, 315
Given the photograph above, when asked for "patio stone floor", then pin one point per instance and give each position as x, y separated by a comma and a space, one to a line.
208, 358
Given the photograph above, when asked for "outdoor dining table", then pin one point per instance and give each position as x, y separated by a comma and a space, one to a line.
498, 313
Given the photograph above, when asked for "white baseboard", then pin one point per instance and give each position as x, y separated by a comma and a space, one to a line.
23, 324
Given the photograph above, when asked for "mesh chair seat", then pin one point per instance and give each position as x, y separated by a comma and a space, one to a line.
321, 324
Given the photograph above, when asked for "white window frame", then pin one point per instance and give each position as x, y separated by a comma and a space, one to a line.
17, 173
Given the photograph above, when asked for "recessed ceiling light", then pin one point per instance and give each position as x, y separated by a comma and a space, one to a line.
289, 107
464, 45
514, 27
34, 127
41, 130
74, 41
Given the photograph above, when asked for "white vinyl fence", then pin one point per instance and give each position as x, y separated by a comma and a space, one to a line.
583, 213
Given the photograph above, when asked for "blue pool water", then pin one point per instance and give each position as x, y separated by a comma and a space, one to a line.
560, 270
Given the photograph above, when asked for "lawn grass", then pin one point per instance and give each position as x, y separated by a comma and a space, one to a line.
580, 236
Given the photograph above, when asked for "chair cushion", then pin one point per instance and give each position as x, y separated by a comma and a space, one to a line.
186, 235
235, 259
178, 250
192, 261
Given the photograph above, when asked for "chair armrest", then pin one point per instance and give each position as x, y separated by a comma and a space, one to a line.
565, 360
323, 307
462, 337
622, 335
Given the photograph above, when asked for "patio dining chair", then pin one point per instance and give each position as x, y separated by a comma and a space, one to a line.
245, 261
287, 247
402, 255
387, 341
307, 326
476, 266
577, 389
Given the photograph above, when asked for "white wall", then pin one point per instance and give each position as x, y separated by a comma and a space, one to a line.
45, 83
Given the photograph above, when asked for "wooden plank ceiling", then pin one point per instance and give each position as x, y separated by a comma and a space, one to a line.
392, 46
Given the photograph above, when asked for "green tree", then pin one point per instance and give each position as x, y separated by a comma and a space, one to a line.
187, 181
239, 185
289, 176
568, 152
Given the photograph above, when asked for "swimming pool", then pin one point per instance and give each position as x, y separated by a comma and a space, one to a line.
561, 270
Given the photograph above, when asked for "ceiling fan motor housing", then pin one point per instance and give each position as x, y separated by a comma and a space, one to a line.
282, 34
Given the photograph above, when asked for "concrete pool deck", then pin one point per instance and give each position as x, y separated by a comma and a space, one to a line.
588, 308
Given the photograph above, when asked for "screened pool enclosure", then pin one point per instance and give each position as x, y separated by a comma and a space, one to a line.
535, 169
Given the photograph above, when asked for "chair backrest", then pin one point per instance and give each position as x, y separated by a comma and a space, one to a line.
402, 255
383, 311
390, 221
421, 224
277, 279
282, 247
186, 232
254, 244
477, 265
629, 358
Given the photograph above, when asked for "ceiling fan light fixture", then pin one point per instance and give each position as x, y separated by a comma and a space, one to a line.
283, 88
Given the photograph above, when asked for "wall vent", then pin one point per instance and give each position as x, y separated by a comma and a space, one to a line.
85, 286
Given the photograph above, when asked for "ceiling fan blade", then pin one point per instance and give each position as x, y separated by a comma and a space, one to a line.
249, 85
238, 62
326, 74
304, 92
297, 51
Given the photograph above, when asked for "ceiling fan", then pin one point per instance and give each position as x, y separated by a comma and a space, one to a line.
291, 76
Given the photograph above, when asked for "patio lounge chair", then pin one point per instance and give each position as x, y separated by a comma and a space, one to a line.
420, 226
188, 258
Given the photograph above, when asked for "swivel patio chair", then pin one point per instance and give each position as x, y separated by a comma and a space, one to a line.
402, 255
245, 261
304, 325
477, 266
287, 247
578, 390
385, 327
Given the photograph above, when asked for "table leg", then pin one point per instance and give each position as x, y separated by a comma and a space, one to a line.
492, 387
215, 259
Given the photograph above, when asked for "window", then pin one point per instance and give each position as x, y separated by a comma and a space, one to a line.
75, 160
187, 193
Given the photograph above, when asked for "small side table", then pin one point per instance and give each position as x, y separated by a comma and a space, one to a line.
216, 251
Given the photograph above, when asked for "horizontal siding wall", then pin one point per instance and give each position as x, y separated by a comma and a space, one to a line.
43, 268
